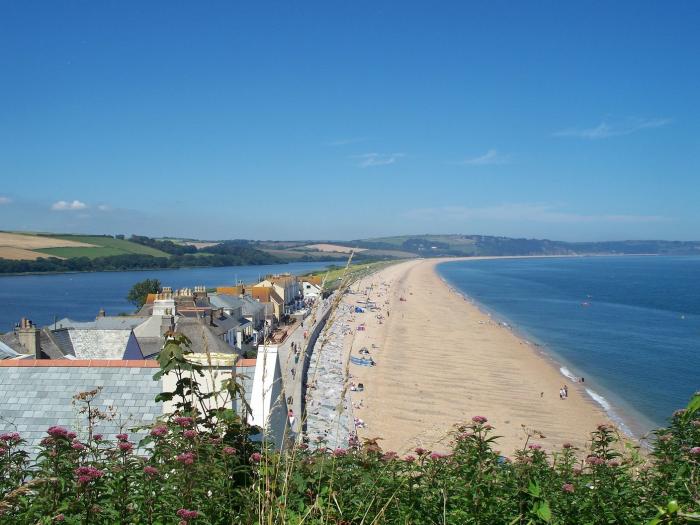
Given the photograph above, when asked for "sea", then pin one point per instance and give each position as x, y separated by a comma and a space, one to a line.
629, 325
79, 296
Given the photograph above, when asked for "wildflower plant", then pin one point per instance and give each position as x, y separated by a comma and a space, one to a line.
200, 466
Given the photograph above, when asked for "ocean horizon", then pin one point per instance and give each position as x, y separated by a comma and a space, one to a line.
629, 325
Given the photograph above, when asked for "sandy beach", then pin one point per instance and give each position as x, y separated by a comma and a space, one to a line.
440, 361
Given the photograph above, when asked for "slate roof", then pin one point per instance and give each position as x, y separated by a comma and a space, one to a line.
99, 344
248, 305
48, 345
201, 335
6, 352
112, 322
33, 398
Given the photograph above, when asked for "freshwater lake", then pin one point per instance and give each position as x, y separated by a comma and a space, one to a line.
42, 298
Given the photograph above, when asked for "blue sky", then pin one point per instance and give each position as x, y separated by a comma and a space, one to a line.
342, 120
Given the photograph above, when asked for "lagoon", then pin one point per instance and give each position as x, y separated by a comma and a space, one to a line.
44, 298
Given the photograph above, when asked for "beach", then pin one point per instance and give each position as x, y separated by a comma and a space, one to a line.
440, 361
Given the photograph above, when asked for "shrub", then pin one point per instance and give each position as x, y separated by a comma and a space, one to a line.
199, 466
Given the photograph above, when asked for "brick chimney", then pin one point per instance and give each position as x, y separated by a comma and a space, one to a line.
29, 337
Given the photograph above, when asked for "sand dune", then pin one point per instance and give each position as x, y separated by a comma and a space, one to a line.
442, 361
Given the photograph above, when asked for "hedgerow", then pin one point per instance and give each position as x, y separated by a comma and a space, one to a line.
202, 466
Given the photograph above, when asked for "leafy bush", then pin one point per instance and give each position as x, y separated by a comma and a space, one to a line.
200, 466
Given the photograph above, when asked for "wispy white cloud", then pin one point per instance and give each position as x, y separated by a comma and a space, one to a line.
68, 206
492, 156
546, 213
104, 207
608, 129
348, 141
369, 160
5, 200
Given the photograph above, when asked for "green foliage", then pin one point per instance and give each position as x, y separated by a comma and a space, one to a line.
139, 292
247, 256
199, 466
166, 246
104, 246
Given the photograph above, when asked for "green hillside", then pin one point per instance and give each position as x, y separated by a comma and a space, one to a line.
104, 247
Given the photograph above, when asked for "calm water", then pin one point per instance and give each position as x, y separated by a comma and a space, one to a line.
81, 295
636, 342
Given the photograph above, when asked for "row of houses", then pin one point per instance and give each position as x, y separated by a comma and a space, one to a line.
232, 320
41, 368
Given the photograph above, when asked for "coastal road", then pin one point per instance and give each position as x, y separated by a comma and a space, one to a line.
293, 382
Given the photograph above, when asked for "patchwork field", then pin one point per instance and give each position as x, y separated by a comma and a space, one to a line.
325, 247
33, 242
18, 254
16, 246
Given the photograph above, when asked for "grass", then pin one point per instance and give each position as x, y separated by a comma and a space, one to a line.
356, 271
105, 247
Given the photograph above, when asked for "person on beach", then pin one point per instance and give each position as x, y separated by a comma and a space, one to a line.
566, 391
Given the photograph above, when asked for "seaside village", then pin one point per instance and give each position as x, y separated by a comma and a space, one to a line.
255, 331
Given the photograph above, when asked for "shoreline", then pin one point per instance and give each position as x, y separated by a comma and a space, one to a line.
432, 374
623, 422
633, 424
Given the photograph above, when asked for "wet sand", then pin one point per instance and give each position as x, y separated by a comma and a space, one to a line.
440, 361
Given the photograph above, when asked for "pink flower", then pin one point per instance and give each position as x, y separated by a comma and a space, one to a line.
613, 463
190, 434
215, 440
11, 437
2, 451
479, 420
535, 446
97, 437
57, 432
577, 471
47, 442
71, 435
87, 474
151, 471
436, 455
159, 431
568, 488
184, 422
421, 451
567, 445
340, 452
409, 459
255, 457
122, 437
229, 451
695, 451
78, 446
595, 460
186, 458
187, 514
125, 446
389, 456
303, 446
